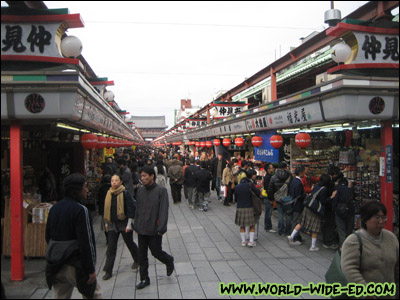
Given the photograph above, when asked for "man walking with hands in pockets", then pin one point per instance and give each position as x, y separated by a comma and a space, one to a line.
151, 219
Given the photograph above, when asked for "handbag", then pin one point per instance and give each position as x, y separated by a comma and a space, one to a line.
256, 203
335, 273
312, 203
223, 191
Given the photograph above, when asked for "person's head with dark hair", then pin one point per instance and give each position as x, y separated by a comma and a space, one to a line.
203, 165
230, 164
160, 167
121, 161
324, 180
373, 216
192, 160
148, 175
299, 171
116, 181
244, 164
75, 186
282, 165
269, 167
343, 181
250, 173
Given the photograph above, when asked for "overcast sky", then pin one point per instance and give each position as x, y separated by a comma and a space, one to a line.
160, 52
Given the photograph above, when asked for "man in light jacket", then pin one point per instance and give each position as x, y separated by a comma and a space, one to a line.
151, 219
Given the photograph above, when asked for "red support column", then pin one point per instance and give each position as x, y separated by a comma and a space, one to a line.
274, 95
16, 184
387, 178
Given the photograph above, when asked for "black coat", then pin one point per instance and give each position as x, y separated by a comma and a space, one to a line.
276, 182
296, 190
190, 179
203, 178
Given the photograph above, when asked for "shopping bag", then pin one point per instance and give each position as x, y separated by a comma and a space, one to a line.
223, 191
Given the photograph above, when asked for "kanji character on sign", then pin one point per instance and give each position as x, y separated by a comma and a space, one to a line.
13, 39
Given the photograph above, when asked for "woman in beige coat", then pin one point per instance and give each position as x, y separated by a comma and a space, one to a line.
227, 180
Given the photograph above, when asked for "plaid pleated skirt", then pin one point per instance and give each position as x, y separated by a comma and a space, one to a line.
245, 217
310, 220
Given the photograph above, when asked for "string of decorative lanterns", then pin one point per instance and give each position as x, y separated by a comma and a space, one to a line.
93, 141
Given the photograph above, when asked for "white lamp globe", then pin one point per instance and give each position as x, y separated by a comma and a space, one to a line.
71, 46
341, 52
109, 96
214, 111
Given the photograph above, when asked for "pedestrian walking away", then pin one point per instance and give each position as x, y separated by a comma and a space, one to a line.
119, 212
175, 174
203, 178
244, 210
151, 219
71, 244
217, 167
190, 182
268, 201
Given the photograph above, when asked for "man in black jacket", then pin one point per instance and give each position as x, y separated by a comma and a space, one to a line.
203, 178
268, 201
277, 181
217, 168
151, 219
296, 191
190, 183
71, 253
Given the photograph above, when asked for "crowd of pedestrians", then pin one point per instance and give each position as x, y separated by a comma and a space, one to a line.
133, 198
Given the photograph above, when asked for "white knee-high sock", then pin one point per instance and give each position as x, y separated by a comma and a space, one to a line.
294, 233
247, 231
313, 242
252, 234
243, 237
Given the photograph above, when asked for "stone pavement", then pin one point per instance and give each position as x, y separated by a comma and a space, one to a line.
207, 250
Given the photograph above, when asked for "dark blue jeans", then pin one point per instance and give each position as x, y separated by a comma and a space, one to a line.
268, 213
284, 211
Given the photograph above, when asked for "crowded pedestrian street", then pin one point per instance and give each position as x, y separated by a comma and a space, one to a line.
207, 250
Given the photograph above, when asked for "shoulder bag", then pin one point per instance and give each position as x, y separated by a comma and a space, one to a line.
314, 204
256, 202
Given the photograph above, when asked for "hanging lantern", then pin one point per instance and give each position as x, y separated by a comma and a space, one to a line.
302, 139
208, 144
89, 141
191, 143
202, 144
197, 144
276, 141
239, 142
102, 142
226, 142
109, 142
256, 141
217, 142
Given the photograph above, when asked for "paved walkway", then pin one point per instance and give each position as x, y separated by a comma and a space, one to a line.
207, 250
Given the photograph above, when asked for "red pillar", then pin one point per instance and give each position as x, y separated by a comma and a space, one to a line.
387, 179
16, 183
274, 95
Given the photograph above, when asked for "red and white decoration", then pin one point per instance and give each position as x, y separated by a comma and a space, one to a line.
226, 142
102, 142
302, 139
202, 144
239, 142
89, 141
276, 141
208, 144
256, 141
217, 142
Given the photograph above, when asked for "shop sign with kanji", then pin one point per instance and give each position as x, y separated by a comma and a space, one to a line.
34, 35
195, 123
222, 110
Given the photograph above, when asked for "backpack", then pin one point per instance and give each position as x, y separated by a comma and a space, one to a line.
282, 192
313, 203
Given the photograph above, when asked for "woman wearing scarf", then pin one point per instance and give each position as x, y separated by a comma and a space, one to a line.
119, 212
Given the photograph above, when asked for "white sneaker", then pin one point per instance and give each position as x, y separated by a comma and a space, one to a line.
244, 244
272, 231
314, 249
290, 240
251, 244
297, 243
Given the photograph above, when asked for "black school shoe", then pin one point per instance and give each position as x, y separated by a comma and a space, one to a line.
143, 284
170, 268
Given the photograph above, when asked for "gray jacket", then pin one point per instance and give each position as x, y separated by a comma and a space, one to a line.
151, 217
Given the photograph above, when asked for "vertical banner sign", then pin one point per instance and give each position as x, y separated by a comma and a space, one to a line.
266, 152
389, 164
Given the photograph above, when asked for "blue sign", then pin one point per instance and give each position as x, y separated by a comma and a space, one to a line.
266, 152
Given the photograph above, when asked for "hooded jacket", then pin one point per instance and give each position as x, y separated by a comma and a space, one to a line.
151, 216
175, 171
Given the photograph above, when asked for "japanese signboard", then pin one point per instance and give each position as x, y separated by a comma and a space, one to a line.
266, 152
301, 115
377, 48
222, 110
30, 39
196, 123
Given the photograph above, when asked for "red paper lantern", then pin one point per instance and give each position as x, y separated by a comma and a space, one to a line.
226, 142
239, 142
256, 141
109, 142
197, 144
217, 142
102, 142
302, 139
208, 144
89, 141
202, 144
276, 141
192, 143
